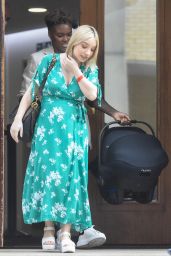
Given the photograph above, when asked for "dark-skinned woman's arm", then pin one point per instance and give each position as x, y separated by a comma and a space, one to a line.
109, 110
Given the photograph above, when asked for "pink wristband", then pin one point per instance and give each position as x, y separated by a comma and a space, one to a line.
80, 78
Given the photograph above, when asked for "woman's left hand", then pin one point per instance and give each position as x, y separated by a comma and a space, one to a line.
119, 116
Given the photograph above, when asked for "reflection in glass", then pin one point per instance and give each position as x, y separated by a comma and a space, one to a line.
130, 57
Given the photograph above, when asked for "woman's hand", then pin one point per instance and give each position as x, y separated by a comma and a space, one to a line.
69, 64
122, 117
16, 128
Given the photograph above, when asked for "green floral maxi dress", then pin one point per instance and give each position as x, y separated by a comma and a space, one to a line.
55, 186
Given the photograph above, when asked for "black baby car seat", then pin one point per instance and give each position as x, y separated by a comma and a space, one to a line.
129, 162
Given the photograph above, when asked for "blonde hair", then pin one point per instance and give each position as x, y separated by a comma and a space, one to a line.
84, 33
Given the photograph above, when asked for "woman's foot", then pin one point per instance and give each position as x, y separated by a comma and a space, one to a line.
91, 238
48, 240
64, 242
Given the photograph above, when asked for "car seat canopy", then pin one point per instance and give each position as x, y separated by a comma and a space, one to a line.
139, 150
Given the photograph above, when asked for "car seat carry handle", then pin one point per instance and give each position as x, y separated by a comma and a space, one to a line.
129, 124
142, 122
121, 124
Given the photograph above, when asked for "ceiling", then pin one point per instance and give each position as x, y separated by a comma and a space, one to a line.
22, 20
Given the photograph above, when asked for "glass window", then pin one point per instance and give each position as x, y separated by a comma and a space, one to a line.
130, 58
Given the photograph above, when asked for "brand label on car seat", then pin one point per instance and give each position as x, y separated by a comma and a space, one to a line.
145, 172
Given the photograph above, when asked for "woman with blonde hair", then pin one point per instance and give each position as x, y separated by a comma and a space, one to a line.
55, 186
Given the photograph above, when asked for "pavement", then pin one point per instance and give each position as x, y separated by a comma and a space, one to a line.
92, 252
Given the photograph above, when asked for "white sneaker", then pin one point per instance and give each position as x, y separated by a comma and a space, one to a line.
64, 242
91, 238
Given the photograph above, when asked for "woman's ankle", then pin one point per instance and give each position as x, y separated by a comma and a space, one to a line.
66, 228
49, 224
65, 232
49, 229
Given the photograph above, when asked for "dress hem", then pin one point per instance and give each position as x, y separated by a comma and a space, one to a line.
78, 227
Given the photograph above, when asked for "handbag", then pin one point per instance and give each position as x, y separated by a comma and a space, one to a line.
32, 113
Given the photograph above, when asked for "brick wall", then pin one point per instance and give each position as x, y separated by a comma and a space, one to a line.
140, 30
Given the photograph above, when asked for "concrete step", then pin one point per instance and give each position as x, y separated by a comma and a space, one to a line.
92, 252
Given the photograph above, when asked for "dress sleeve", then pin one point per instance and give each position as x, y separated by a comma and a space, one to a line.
93, 77
39, 74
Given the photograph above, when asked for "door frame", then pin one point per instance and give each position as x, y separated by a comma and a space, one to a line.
2, 84
92, 13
